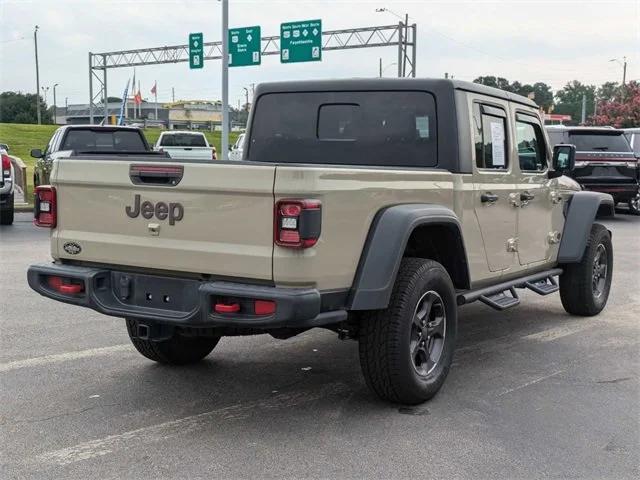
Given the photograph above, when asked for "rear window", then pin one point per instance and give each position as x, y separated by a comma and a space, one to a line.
103, 141
555, 138
345, 128
183, 140
589, 142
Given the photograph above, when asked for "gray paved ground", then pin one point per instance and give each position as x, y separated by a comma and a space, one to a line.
534, 393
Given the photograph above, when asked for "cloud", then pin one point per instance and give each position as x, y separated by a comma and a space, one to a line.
550, 41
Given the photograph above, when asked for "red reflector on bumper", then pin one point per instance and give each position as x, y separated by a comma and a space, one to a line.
264, 307
226, 308
57, 283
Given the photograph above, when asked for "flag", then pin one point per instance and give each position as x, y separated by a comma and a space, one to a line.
154, 88
137, 98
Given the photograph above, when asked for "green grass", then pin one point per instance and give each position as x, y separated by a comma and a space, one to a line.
21, 138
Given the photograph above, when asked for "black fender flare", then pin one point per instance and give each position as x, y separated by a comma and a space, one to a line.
580, 213
384, 249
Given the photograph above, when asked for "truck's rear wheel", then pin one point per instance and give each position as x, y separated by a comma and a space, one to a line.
634, 205
6, 212
178, 350
585, 286
406, 350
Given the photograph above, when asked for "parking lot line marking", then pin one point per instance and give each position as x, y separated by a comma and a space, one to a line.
63, 357
555, 333
163, 431
532, 382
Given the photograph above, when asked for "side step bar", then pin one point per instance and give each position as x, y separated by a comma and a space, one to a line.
503, 295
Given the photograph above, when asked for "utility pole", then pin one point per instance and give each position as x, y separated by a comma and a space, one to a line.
380, 67
55, 113
246, 96
173, 94
35, 42
225, 79
583, 118
404, 46
45, 90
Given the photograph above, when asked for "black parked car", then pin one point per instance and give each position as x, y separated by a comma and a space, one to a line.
605, 161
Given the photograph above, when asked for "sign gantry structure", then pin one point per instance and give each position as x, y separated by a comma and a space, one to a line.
308, 47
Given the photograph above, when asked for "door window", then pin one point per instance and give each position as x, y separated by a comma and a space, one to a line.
532, 154
490, 137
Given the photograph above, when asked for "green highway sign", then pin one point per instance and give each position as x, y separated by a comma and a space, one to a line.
244, 46
196, 50
301, 41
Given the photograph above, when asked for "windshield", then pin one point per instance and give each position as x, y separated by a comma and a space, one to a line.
594, 142
104, 141
183, 140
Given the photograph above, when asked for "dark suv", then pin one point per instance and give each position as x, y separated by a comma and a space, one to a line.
605, 161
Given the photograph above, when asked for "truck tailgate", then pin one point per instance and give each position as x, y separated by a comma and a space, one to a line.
189, 153
217, 220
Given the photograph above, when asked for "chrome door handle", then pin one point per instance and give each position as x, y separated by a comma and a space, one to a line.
489, 198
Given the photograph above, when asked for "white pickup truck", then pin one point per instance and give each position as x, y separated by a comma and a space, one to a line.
185, 145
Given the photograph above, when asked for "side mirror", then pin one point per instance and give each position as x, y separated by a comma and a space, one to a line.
564, 159
36, 153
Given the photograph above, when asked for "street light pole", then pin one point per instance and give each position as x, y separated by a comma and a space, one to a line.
225, 80
403, 34
623, 64
55, 113
35, 42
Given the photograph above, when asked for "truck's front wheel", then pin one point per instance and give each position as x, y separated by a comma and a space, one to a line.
177, 350
585, 286
406, 350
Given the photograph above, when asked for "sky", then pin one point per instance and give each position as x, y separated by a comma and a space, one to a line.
549, 41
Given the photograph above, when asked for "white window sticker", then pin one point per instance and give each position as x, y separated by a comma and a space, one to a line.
422, 126
497, 143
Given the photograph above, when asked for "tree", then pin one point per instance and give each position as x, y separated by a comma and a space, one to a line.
608, 92
542, 93
495, 82
569, 100
620, 114
17, 107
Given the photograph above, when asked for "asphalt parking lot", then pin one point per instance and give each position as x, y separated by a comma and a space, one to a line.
533, 393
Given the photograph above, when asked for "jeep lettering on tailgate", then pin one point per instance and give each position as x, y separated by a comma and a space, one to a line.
175, 211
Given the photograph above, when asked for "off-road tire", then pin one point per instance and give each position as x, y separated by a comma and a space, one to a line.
178, 350
577, 282
385, 336
634, 205
6, 212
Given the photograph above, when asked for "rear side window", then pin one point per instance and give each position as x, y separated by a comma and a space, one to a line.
345, 128
103, 141
183, 140
490, 137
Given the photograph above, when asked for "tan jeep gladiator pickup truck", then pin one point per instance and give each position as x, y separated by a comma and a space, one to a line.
373, 208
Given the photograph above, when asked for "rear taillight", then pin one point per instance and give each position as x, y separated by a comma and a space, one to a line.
44, 209
297, 223
6, 162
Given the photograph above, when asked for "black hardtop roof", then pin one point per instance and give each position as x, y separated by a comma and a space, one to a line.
434, 85
585, 130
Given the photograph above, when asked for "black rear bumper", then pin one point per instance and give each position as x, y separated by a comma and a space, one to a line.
181, 301
619, 191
